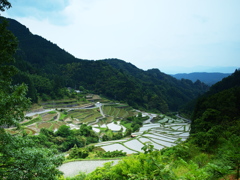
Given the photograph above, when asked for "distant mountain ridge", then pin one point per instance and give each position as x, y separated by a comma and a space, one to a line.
47, 69
206, 77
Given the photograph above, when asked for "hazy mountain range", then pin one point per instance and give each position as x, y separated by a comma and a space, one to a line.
207, 78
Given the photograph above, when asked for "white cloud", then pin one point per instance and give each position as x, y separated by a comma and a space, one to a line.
40, 10
150, 34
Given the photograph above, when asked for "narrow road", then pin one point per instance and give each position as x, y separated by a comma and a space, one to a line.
88, 106
38, 112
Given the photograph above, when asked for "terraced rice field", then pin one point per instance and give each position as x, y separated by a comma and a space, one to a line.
60, 104
165, 133
35, 128
50, 125
160, 135
85, 115
144, 140
118, 111
47, 116
117, 146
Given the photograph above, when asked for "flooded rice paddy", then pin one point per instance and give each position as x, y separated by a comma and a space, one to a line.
160, 135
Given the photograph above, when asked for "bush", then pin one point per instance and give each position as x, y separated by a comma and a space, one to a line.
110, 154
76, 153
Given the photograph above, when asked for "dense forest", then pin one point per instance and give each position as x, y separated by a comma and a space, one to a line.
217, 113
47, 70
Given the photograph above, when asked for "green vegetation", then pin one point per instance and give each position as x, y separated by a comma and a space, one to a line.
85, 115
183, 161
20, 157
115, 79
63, 115
134, 123
32, 121
90, 152
116, 111
217, 114
63, 103
112, 154
52, 112
212, 152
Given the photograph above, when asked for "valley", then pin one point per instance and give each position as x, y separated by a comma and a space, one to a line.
158, 130
58, 111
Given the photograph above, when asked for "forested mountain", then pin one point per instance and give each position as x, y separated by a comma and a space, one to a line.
207, 78
217, 114
48, 69
164, 86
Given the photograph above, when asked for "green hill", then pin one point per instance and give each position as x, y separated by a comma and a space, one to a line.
217, 114
48, 69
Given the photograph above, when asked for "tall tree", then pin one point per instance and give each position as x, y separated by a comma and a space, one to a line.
12, 98
19, 156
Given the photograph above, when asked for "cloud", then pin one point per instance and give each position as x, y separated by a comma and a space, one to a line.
147, 33
52, 10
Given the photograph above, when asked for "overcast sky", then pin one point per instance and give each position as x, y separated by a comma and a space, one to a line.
174, 36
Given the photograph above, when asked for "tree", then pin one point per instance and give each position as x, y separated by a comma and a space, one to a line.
12, 98
19, 156
63, 131
4, 4
230, 152
21, 159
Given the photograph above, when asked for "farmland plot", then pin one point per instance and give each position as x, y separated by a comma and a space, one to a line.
163, 143
117, 146
156, 146
170, 138
134, 144
160, 138
110, 142
160, 135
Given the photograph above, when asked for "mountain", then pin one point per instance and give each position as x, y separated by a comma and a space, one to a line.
48, 69
168, 88
207, 78
216, 114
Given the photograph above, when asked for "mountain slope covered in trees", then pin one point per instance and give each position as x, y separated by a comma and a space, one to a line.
47, 69
217, 114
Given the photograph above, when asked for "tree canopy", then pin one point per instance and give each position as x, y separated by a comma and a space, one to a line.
19, 156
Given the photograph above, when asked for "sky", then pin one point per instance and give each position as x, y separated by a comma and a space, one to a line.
175, 36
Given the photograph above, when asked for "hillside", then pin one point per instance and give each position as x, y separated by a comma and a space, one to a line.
207, 78
217, 114
211, 152
165, 86
48, 70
